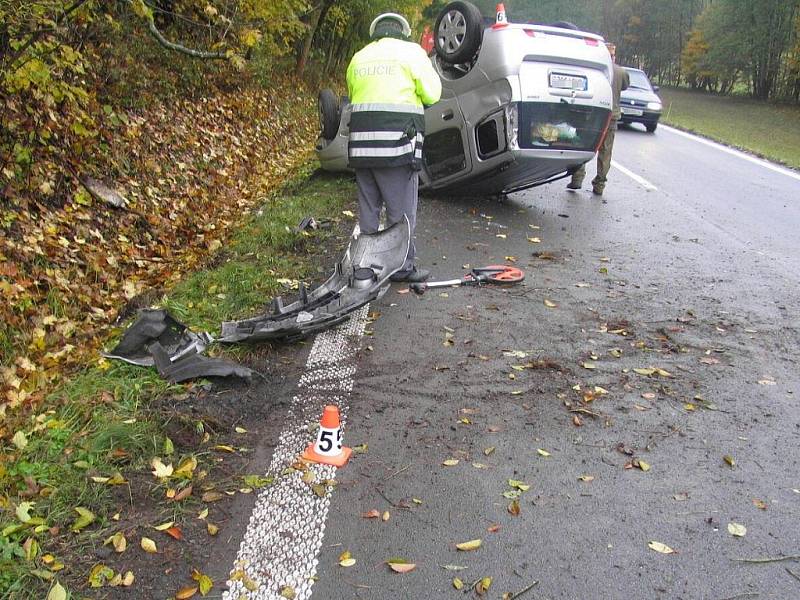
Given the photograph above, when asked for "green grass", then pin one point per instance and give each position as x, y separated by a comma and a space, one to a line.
100, 422
769, 130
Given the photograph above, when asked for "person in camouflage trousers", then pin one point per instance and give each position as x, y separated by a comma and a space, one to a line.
619, 81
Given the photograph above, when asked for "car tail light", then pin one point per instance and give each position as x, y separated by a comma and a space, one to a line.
591, 42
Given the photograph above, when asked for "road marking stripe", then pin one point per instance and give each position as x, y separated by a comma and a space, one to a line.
638, 179
284, 535
748, 157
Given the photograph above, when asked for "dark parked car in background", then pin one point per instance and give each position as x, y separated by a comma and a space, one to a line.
640, 103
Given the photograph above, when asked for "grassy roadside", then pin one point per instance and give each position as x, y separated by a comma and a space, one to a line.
769, 130
99, 432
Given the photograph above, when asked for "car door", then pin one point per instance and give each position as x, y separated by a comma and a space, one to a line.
445, 153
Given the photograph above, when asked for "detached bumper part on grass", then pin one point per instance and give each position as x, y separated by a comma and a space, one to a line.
359, 277
158, 339
157, 325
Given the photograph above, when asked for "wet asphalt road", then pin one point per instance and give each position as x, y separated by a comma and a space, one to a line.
698, 278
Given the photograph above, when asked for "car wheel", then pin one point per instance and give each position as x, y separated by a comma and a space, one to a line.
651, 127
458, 32
328, 114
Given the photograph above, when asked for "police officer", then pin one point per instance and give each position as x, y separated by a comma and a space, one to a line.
619, 81
390, 81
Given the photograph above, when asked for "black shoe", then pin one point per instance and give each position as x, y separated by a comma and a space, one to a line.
573, 186
415, 275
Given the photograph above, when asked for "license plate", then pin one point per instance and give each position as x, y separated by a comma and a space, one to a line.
567, 82
635, 112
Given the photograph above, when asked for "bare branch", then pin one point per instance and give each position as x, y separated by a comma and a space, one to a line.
182, 49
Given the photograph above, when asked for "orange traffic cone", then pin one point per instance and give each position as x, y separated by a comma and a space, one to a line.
501, 14
328, 448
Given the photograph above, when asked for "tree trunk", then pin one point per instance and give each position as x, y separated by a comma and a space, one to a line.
302, 60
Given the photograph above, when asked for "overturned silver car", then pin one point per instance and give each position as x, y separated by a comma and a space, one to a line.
522, 105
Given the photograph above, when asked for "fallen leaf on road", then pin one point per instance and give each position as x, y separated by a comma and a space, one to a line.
203, 581
648, 395
488, 451
588, 365
240, 430
580, 284
453, 567
759, 504
707, 360
729, 460
186, 592
385, 516
681, 496
164, 526
541, 452
637, 462
513, 508
576, 420
347, 562
85, 518
647, 371
211, 497
457, 583
160, 470
534, 240
586, 478
287, 591
550, 304
450, 462
483, 586
174, 532
57, 592
502, 236
659, 547
148, 545
372, 514
470, 545
737, 529
212, 529
118, 541
402, 567
493, 528
186, 468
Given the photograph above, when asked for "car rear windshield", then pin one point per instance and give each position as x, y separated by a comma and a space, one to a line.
560, 126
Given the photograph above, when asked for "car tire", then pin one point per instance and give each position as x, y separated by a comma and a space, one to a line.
328, 114
458, 32
651, 127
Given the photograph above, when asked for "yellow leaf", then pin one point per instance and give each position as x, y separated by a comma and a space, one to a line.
348, 213
457, 583
164, 526
20, 440
240, 430
644, 371
588, 365
127, 579
586, 477
542, 452
118, 541
57, 592
483, 585
550, 304
186, 468
287, 591
86, 517
347, 562
148, 545
402, 567
186, 592
160, 470
659, 547
729, 460
737, 529
450, 462
203, 581
212, 529
224, 448
534, 240
385, 516
202, 514
643, 465
470, 545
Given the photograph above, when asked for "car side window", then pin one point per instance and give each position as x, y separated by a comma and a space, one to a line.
443, 153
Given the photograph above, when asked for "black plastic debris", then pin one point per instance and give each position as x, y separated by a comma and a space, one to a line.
157, 325
359, 277
194, 366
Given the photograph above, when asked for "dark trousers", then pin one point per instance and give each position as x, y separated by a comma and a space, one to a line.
397, 189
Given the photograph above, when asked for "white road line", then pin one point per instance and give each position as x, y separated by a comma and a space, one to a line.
748, 157
638, 179
284, 535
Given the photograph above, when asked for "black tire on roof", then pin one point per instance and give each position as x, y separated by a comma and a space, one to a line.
458, 32
328, 114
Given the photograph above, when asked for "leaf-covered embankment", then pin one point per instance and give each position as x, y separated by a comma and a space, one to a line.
190, 169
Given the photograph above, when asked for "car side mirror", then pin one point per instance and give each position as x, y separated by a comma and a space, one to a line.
655, 88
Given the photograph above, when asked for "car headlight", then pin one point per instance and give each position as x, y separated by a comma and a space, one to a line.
654, 106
